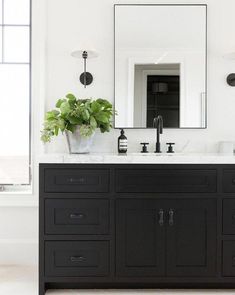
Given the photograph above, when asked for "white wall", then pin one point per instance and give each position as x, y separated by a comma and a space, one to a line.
63, 70
75, 23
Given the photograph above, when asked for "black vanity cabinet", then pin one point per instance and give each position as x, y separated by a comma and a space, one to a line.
136, 226
166, 237
140, 238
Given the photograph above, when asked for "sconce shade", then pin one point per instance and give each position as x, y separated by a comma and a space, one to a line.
159, 87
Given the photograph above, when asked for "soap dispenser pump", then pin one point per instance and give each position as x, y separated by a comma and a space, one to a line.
122, 143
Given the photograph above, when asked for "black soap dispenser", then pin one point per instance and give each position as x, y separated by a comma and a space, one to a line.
122, 143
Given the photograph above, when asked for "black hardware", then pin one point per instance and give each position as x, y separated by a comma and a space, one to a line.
77, 216
171, 217
161, 217
144, 148
86, 78
170, 147
158, 124
77, 258
231, 79
77, 180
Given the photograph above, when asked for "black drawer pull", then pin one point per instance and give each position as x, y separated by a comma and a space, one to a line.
77, 258
233, 180
76, 180
77, 216
161, 217
171, 217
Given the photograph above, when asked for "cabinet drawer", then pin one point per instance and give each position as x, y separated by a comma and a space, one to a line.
76, 180
229, 181
77, 259
76, 216
228, 258
229, 216
165, 180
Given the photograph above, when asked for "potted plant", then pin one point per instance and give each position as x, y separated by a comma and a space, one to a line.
78, 119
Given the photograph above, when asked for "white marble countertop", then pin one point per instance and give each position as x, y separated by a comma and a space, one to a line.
138, 158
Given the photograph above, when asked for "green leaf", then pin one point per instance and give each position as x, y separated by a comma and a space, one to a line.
52, 114
71, 97
86, 130
59, 102
93, 122
102, 117
65, 107
85, 115
56, 130
74, 120
61, 124
95, 107
104, 102
70, 127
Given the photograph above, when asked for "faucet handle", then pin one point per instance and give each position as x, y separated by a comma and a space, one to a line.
144, 148
170, 147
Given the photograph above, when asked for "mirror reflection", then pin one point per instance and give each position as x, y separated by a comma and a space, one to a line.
157, 92
160, 65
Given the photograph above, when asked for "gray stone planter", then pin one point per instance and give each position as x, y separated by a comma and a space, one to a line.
78, 144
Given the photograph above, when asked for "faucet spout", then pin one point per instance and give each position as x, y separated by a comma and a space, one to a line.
158, 124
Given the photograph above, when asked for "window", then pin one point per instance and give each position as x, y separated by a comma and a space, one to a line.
15, 80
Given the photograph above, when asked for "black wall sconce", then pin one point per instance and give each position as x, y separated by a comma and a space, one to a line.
230, 77
85, 78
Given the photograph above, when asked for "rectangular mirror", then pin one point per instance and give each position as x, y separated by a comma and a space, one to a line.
160, 65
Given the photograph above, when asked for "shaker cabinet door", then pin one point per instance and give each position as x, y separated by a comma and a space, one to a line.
191, 238
139, 238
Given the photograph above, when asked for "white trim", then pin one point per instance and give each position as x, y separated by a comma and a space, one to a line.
39, 25
18, 241
130, 93
203, 109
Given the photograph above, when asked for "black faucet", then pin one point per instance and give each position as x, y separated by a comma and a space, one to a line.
158, 124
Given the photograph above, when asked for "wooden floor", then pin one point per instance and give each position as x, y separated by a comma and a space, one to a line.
23, 281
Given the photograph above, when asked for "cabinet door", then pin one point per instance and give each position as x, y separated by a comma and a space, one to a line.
191, 238
139, 238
